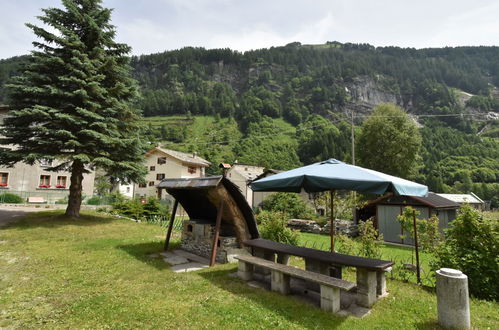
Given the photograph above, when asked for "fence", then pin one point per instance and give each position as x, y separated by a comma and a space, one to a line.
49, 196
164, 222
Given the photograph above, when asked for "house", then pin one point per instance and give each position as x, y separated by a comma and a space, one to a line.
35, 181
242, 175
164, 163
386, 209
470, 199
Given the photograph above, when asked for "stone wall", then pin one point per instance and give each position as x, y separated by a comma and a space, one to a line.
197, 238
344, 227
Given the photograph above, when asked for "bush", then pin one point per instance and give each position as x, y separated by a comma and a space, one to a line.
135, 209
94, 200
290, 203
10, 198
273, 226
429, 236
370, 240
472, 246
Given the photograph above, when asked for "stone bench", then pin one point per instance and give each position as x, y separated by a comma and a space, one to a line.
36, 200
280, 280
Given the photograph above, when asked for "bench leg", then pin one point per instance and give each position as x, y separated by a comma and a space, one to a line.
282, 258
330, 299
366, 287
279, 282
245, 271
264, 254
381, 284
317, 267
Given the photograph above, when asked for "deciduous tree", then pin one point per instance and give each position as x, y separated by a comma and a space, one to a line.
390, 142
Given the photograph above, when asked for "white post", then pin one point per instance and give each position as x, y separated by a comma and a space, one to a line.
453, 299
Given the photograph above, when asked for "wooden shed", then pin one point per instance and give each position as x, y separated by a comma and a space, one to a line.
220, 218
386, 209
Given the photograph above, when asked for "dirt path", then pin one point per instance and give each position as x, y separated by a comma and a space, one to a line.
9, 214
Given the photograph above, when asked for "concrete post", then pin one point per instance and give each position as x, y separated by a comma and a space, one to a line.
264, 254
280, 282
330, 299
453, 299
366, 287
245, 271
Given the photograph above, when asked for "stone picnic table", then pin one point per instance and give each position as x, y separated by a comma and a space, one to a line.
371, 279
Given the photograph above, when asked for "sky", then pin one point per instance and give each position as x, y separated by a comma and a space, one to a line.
152, 26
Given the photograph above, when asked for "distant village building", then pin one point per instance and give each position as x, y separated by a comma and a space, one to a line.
242, 175
34, 182
462, 199
166, 164
386, 209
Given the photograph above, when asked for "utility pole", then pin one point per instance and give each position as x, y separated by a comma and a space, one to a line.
354, 195
353, 141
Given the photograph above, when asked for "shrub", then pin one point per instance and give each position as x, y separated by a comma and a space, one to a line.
152, 208
429, 236
290, 203
345, 245
472, 246
370, 240
94, 200
273, 226
10, 198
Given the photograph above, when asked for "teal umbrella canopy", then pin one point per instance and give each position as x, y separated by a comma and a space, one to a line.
333, 174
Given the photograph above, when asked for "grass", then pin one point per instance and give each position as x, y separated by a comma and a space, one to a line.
93, 272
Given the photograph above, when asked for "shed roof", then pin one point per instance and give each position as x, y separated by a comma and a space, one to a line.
432, 200
201, 197
463, 198
189, 158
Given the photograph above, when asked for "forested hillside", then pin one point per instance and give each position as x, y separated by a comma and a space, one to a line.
286, 106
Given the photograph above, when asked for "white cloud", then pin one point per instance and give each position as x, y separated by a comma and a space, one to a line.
157, 25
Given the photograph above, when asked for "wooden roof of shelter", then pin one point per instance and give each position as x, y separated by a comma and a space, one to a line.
201, 198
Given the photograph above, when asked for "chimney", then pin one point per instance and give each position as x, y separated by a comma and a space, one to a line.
225, 167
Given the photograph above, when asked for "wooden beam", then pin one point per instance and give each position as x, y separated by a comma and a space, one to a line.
170, 227
216, 234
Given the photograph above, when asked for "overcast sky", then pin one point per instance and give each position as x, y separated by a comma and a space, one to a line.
152, 26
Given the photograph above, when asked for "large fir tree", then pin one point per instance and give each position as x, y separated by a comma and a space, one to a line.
72, 103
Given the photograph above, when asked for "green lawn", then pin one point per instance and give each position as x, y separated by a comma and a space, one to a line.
94, 273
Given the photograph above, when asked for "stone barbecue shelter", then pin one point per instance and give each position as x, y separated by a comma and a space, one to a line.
205, 200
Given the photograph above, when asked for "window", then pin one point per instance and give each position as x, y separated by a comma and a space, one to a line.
152, 168
191, 170
151, 183
44, 181
161, 160
142, 185
160, 176
4, 179
61, 182
127, 189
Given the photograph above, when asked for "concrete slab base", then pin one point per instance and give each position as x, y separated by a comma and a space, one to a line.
300, 291
176, 260
188, 267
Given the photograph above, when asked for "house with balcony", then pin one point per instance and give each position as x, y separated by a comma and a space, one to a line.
164, 163
35, 181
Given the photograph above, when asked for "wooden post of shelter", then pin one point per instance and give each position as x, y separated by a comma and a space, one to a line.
170, 227
216, 234
418, 268
331, 228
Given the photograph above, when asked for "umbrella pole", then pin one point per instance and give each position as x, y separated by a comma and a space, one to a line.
331, 228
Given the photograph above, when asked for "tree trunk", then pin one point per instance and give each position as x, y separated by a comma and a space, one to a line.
74, 201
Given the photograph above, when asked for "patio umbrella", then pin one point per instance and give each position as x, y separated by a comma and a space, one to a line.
332, 175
